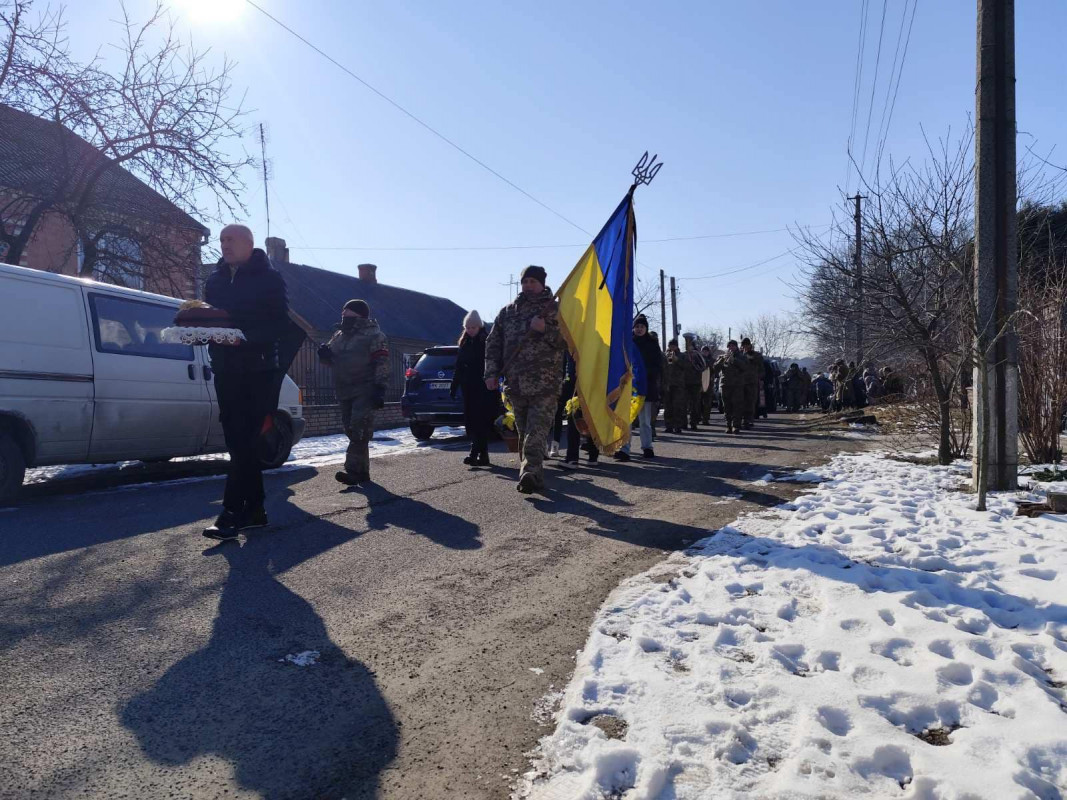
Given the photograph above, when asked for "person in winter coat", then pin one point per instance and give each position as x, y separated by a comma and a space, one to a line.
873, 384
824, 391
479, 404
246, 286
674, 398
359, 357
732, 369
526, 348
807, 391
753, 376
648, 352
793, 382
694, 385
658, 405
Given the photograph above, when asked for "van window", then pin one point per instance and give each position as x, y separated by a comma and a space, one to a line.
133, 327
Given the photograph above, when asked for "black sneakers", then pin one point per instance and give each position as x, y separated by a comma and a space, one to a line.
225, 527
252, 518
621, 455
648, 453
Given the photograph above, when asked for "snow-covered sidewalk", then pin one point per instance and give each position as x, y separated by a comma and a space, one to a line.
314, 451
876, 637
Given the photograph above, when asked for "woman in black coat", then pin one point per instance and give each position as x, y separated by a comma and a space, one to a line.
480, 405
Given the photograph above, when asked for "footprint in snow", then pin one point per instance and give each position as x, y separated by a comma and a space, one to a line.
834, 720
1040, 574
956, 673
942, 647
896, 650
887, 617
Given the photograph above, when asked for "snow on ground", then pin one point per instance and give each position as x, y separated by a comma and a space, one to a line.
315, 451
876, 637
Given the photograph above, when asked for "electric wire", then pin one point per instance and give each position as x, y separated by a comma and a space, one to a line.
874, 87
415, 118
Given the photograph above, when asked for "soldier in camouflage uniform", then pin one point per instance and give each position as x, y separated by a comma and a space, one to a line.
674, 398
526, 348
359, 356
753, 376
694, 387
732, 369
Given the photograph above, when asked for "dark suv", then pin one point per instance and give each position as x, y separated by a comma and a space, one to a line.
425, 401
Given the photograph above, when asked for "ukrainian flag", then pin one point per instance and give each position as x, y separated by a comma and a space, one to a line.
596, 308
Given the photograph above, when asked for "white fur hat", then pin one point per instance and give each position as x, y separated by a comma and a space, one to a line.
472, 318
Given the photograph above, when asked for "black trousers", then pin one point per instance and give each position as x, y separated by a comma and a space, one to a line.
245, 399
479, 412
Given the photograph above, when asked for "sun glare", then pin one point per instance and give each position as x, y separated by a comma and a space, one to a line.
206, 12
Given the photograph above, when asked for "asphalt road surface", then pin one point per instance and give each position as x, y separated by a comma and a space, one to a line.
139, 661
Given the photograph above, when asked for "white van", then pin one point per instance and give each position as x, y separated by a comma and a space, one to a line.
84, 378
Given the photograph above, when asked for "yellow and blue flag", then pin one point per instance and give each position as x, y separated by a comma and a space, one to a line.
596, 308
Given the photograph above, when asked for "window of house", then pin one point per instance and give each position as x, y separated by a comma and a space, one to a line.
134, 327
118, 261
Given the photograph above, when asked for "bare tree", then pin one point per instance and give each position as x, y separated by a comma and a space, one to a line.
711, 336
916, 228
646, 301
164, 117
776, 335
1042, 329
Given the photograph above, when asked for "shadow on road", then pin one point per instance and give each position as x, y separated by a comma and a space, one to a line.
319, 730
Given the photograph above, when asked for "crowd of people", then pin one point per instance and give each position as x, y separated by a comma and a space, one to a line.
524, 353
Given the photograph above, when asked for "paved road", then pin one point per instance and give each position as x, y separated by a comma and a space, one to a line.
138, 661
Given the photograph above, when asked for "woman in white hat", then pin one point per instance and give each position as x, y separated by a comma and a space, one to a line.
480, 405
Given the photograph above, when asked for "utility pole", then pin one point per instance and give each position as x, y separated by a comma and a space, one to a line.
674, 309
662, 309
266, 172
996, 369
511, 284
858, 266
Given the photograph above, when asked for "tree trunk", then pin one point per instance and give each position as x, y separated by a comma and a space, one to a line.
944, 410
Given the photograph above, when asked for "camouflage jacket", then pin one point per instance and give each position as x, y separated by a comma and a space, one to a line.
530, 362
754, 366
733, 367
674, 372
360, 361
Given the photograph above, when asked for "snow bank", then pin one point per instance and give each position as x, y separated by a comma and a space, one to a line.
315, 451
875, 638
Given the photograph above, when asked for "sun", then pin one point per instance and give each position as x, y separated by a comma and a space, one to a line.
210, 11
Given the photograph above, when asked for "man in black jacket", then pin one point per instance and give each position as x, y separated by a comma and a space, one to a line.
246, 286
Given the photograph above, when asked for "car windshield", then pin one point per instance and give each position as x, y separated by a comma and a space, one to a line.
432, 363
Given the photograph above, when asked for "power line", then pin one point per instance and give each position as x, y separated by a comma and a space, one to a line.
874, 87
412, 116
548, 246
739, 269
900, 73
857, 80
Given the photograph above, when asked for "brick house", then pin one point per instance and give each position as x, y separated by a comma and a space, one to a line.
127, 232
411, 320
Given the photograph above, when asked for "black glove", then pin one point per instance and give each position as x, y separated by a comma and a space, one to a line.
325, 353
379, 397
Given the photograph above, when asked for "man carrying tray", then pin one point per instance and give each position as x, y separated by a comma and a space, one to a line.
253, 294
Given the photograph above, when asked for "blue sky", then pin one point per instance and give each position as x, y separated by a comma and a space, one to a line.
748, 104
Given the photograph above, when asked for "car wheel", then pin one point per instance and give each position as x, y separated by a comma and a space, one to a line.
276, 443
422, 431
12, 468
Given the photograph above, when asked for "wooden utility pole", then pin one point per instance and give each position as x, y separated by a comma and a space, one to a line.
996, 370
857, 257
674, 309
662, 310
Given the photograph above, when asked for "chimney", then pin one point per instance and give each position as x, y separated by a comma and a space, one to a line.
277, 252
368, 273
